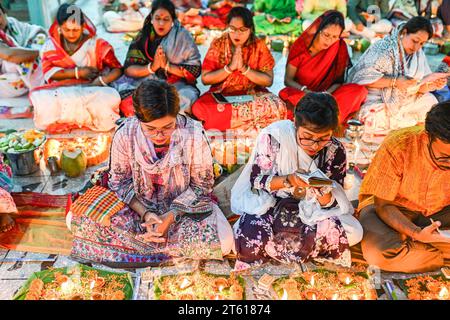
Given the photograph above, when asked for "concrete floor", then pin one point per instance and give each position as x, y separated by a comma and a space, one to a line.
13, 275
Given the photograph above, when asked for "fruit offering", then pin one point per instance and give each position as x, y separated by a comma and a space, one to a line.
23, 141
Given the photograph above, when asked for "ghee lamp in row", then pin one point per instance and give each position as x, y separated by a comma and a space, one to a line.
443, 294
311, 295
345, 278
186, 283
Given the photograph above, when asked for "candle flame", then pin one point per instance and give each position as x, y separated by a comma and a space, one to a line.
312, 281
92, 285
347, 280
67, 287
285, 295
335, 296
314, 297
443, 294
185, 283
355, 297
220, 288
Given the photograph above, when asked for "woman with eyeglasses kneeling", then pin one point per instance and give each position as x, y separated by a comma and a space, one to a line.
238, 64
318, 61
161, 167
282, 216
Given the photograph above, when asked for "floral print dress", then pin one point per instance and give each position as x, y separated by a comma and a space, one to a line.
280, 234
180, 178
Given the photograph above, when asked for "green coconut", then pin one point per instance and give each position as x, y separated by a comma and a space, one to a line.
73, 162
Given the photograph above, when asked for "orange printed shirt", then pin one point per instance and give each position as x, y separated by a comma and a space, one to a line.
403, 172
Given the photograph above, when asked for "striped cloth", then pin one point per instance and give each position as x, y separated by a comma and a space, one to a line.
99, 204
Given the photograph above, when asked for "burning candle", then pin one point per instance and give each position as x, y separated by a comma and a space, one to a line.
311, 295
345, 278
335, 296
217, 297
285, 295
312, 281
355, 297
443, 294
67, 287
185, 283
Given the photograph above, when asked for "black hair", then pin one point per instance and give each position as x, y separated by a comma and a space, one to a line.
247, 18
2, 8
69, 11
417, 24
317, 111
330, 18
155, 99
164, 4
147, 29
437, 122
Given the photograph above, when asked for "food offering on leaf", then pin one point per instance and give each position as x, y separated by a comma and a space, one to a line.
199, 286
96, 149
22, 141
426, 288
324, 284
78, 283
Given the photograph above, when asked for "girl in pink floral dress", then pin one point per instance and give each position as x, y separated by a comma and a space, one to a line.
161, 168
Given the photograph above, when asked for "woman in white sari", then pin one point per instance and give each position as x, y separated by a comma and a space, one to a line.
19, 51
399, 80
78, 68
282, 217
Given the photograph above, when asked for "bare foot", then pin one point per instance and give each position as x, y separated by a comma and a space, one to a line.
6, 222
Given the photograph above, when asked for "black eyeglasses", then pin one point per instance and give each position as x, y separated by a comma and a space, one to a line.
310, 142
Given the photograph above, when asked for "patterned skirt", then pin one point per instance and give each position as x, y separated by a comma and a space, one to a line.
119, 244
280, 234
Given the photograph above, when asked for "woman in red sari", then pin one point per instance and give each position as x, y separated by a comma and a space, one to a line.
79, 69
239, 64
318, 61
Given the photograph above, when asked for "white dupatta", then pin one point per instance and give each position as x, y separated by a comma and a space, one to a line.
289, 159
